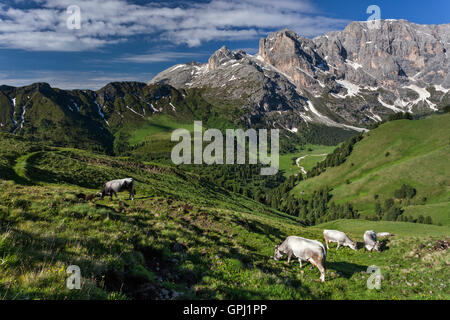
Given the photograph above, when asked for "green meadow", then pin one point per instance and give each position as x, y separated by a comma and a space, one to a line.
396, 153
187, 237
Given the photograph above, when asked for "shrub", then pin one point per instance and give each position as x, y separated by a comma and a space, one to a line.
405, 192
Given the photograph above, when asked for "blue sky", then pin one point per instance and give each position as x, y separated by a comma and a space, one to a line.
134, 40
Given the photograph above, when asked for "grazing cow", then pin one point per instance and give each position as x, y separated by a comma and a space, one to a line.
384, 234
112, 187
304, 250
340, 237
370, 241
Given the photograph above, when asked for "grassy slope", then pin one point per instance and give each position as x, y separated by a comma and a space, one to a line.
157, 127
419, 153
127, 249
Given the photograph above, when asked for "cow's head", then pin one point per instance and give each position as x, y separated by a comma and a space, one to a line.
278, 254
354, 245
377, 246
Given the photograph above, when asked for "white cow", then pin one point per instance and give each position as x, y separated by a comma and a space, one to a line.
370, 241
304, 250
340, 237
112, 187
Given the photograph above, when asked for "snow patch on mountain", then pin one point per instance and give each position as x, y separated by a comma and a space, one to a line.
153, 108
353, 64
132, 110
330, 122
352, 89
22, 117
384, 104
177, 67
100, 112
76, 106
14, 112
441, 88
424, 95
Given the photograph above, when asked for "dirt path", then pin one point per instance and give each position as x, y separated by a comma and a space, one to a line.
302, 169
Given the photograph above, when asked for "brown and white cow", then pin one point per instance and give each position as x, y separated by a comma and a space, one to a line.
112, 187
304, 250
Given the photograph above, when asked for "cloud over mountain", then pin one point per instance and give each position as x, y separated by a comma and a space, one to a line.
41, 25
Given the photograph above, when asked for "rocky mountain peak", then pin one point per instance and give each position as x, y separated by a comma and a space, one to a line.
293, 55
222, 56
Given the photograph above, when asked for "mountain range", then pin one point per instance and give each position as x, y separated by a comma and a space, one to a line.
348, 78
343, 80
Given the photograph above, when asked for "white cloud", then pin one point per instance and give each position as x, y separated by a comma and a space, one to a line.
105, 22
159, 57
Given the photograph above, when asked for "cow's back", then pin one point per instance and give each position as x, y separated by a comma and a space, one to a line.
335, 235
301, 246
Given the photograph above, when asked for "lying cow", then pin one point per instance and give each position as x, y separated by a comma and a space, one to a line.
304, 250
370, 241
384, 234
340, 237
112, 187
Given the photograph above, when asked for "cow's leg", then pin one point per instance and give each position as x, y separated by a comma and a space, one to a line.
115, 195
326, 242
338, 245
320, 267
322, 272
300, 261
289, 258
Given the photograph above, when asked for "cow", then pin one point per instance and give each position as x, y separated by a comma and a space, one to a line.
384, 234
112, 187
370, 241
304, 250
340, 237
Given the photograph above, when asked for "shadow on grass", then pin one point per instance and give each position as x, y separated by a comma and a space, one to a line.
347, 269
257, 227
10, 174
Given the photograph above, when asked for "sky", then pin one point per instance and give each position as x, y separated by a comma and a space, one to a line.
125, 40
